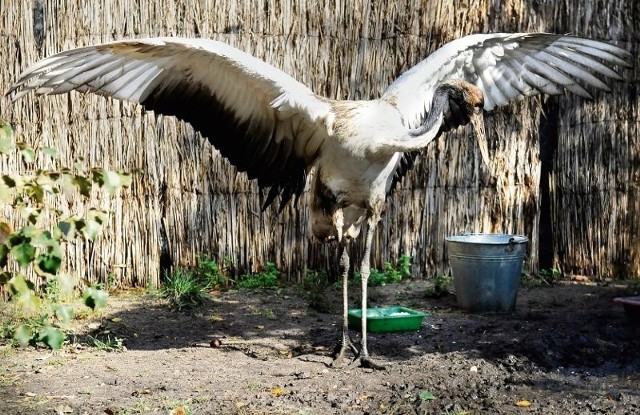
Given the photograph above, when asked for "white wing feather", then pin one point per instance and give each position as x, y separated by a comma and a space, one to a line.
264, 121
131, 70
507, 67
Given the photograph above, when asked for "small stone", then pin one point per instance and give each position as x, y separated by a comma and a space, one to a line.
215, 343
473, 369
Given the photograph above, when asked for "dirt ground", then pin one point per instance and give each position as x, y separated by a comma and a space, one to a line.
568, 349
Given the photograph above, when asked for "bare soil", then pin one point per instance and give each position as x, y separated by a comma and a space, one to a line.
568, 349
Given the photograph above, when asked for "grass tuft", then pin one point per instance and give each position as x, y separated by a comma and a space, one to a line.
183, 289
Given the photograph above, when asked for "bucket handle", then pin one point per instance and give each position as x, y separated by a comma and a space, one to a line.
512, 244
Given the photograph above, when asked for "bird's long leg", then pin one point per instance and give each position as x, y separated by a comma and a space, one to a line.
346, 343
365, 270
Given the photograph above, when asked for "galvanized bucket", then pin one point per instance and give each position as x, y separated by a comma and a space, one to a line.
486, 270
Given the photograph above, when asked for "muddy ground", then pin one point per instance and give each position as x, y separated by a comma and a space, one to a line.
566, 350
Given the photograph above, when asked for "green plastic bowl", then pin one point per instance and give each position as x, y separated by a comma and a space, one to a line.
387, 319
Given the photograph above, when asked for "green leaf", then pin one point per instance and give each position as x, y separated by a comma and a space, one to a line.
6, 194
78, 163
97, 176
54, 175
49, 263
52, 337
34, 216
4, 254
80, 224
35, 192
5, 277
66, 283
95, 298
98, 215
66, 228
426, 396
28, 155
30, 231
92, 229
67, 183
125, 179
64, 313
111, 181
19, 285
6, 138
24, 253
23, 292
23, 335
41, 238
84, 184
9, 181
50, 151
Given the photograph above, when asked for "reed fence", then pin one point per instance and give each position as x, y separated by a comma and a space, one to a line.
188, 201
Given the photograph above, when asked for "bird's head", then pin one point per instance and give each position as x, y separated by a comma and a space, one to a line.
458, 100
461, 103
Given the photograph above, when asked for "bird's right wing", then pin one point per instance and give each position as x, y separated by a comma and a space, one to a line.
507, 67
261, 119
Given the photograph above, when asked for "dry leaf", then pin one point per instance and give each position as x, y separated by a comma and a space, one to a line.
277, 391
179, 411
523, 404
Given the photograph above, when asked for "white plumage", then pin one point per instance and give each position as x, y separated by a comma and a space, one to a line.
276, 129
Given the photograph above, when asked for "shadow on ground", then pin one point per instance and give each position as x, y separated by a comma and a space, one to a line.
566, 349
565, 326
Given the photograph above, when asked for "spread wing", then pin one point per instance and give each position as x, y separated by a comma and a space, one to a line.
508, 67
261, 119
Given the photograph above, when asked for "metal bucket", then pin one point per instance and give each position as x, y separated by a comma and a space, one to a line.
486, 270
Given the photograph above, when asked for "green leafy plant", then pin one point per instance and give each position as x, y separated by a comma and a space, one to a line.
34, 247
544, 277
108, 344
389, 274
268, 278
314, 286
183, 289
426, 395
211, 273
441, 286
404, 265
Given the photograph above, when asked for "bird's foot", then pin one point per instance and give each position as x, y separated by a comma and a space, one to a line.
367, 363
340, 355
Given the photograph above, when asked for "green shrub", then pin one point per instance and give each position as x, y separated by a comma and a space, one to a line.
389, 273
211, 273
267, 278
33, 247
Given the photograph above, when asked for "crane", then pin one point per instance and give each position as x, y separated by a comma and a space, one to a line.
277, 130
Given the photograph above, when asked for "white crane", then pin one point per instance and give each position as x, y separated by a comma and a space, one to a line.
276, 129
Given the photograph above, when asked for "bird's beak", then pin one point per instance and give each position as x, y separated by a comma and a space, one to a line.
477, 120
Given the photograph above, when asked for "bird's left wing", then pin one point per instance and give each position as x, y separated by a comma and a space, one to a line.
261, 119
507, 67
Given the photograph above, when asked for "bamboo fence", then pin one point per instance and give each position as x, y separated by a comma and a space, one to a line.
188, 201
